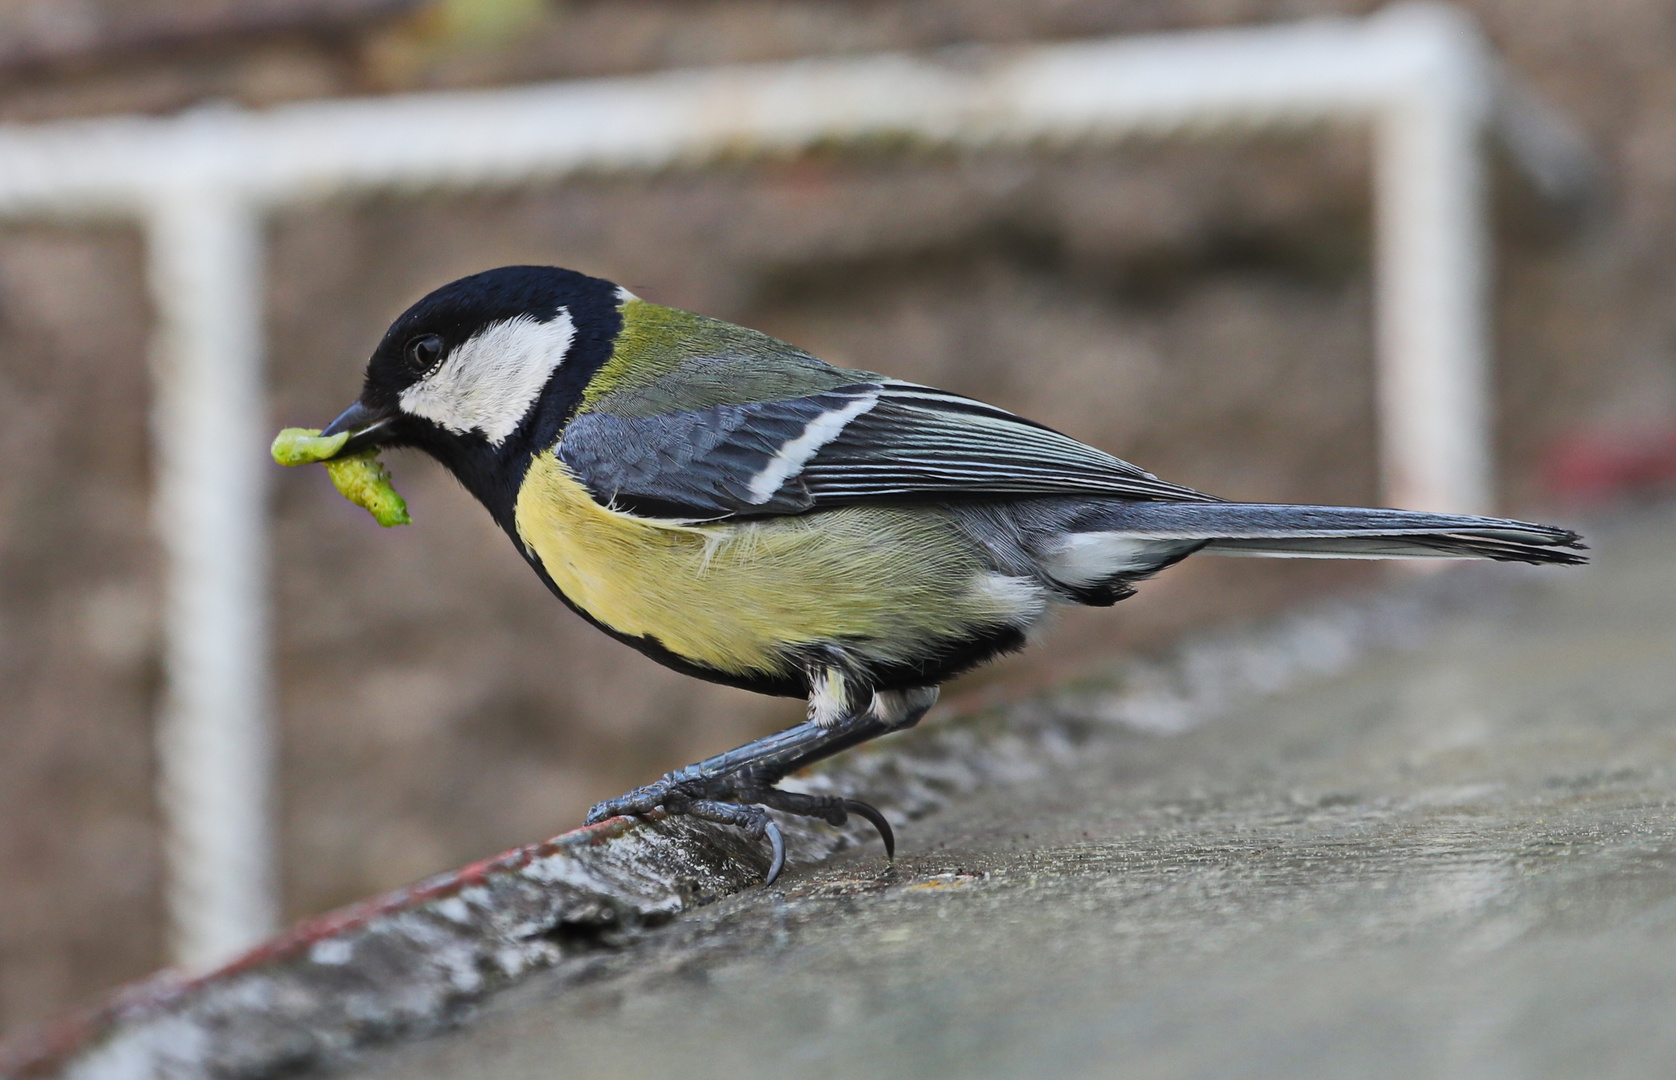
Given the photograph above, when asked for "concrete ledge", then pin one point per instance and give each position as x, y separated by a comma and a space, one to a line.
403, 964
423, 959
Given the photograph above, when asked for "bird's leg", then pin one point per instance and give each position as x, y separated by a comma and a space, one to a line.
732, 788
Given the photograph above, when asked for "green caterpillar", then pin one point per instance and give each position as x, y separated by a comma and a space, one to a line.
361, 478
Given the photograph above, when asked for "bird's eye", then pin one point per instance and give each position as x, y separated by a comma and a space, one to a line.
423, 352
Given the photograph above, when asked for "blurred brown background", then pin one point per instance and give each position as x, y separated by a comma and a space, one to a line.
1200, 308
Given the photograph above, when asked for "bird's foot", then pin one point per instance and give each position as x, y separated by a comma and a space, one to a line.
739, 800
835, 810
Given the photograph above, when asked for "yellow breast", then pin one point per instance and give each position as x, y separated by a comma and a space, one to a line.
889, 582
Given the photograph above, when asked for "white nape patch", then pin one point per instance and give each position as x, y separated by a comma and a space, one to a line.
490, 381
624, 296
829, 697
898, 707
1083, 559
796, 453
1017, 600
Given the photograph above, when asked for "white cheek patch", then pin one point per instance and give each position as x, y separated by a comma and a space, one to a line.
490, 381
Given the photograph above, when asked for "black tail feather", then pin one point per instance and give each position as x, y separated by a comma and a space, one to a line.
1285, 531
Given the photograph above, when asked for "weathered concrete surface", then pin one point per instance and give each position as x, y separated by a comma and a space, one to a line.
423, 959
1458, 860
1294, 849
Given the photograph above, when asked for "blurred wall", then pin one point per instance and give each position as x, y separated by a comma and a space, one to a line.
1202, 309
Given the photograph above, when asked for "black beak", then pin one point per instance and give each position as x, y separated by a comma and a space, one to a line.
366, 427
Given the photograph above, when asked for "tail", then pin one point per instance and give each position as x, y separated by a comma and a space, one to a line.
1334, 532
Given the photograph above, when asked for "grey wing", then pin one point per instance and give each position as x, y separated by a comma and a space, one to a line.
920, 441
866, 442
704, 464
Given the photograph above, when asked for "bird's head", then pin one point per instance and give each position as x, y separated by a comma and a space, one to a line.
485, 371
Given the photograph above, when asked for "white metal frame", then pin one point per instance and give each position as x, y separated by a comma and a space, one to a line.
202, 182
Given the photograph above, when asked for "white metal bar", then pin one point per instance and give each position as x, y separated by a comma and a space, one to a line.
1417, 72
1256, 78
208, 426
1432, 270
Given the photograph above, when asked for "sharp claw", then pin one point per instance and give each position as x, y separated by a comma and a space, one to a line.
730, 803
871, 813
778, 862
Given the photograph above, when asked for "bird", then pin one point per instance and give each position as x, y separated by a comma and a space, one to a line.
745, 513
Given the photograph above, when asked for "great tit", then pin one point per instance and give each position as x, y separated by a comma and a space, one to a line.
745, 513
